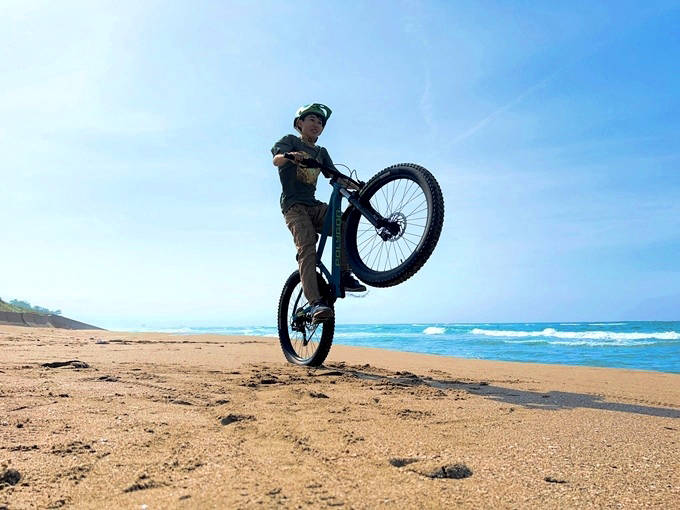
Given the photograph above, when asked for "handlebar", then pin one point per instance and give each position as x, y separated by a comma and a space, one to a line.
330, 173
308, 162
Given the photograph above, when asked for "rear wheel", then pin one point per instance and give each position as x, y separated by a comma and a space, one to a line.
302, 341
411, 203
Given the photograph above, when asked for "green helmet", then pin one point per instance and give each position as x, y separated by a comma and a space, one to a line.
323, 111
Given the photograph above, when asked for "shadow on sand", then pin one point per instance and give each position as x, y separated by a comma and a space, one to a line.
550, 401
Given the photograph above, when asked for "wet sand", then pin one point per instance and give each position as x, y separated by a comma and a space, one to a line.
99, 419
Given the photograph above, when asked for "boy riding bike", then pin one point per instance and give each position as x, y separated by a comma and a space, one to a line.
303, 213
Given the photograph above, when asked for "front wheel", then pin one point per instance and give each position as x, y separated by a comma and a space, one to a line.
303, 342
410, 201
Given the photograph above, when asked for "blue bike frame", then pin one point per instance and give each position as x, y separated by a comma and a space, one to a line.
332, 226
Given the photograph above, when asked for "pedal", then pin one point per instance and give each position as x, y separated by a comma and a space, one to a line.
320, 320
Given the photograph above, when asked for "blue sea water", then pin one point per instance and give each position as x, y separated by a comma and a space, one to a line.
632, 345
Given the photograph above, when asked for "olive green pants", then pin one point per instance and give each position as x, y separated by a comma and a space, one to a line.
305, 222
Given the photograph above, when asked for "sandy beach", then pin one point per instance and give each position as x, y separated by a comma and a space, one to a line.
100, 419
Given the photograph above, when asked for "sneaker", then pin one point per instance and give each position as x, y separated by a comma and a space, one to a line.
320, 312
350, 283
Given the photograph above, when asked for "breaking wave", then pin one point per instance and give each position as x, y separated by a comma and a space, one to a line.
580, 335
433, 330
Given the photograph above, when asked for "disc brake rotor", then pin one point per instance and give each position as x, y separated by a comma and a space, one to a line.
395, 228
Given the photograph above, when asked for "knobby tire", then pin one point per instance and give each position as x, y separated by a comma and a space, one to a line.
411, 198
292, 341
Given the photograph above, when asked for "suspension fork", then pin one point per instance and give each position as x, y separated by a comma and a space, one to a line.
381, 224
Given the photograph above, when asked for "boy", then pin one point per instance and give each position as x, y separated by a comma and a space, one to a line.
303, 213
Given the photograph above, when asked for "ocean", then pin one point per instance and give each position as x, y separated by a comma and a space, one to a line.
632, 345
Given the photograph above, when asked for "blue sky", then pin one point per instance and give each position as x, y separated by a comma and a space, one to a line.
136, 184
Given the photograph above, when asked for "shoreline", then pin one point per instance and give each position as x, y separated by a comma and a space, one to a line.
638, 346
192, 421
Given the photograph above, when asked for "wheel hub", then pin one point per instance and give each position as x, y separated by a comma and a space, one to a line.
298, 321
394, 228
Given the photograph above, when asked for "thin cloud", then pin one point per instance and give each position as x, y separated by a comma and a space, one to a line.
413, 25
479, 125
426, 107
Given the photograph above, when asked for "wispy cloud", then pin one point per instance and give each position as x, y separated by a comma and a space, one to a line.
500, 111
426, 106
414, 26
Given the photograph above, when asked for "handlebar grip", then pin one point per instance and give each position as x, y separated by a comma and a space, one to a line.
311, 163
308, 162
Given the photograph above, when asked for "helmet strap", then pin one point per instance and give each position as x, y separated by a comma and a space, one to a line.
308, 139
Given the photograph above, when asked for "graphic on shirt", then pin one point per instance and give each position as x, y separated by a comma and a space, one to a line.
305, 174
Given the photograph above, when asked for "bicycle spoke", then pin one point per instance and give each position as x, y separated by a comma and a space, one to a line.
401, 205
404, 257
390, 247
411, 199
419, 210
378, 255
387, 200
387, 254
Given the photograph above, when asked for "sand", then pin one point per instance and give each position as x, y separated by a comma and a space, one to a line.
127, 420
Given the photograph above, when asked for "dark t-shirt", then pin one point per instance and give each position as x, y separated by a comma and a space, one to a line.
298, 182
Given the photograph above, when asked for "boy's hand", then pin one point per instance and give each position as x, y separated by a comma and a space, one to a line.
297, 157
282, 159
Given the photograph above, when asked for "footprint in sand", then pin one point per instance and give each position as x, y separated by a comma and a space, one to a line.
232, 418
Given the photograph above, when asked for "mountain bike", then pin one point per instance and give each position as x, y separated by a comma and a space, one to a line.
393, 224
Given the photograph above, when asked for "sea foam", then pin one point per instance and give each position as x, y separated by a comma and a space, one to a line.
433, 330
580, 335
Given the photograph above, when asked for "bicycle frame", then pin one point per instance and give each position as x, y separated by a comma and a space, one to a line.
333, 223
333, 228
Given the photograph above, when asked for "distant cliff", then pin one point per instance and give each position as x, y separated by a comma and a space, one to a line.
15, 316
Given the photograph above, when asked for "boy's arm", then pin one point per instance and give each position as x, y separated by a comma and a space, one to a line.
280, 148
280, 159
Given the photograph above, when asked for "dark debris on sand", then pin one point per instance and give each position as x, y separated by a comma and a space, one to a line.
455, 471
10, 477
402, 462
74, 363
232, 418
551, 479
